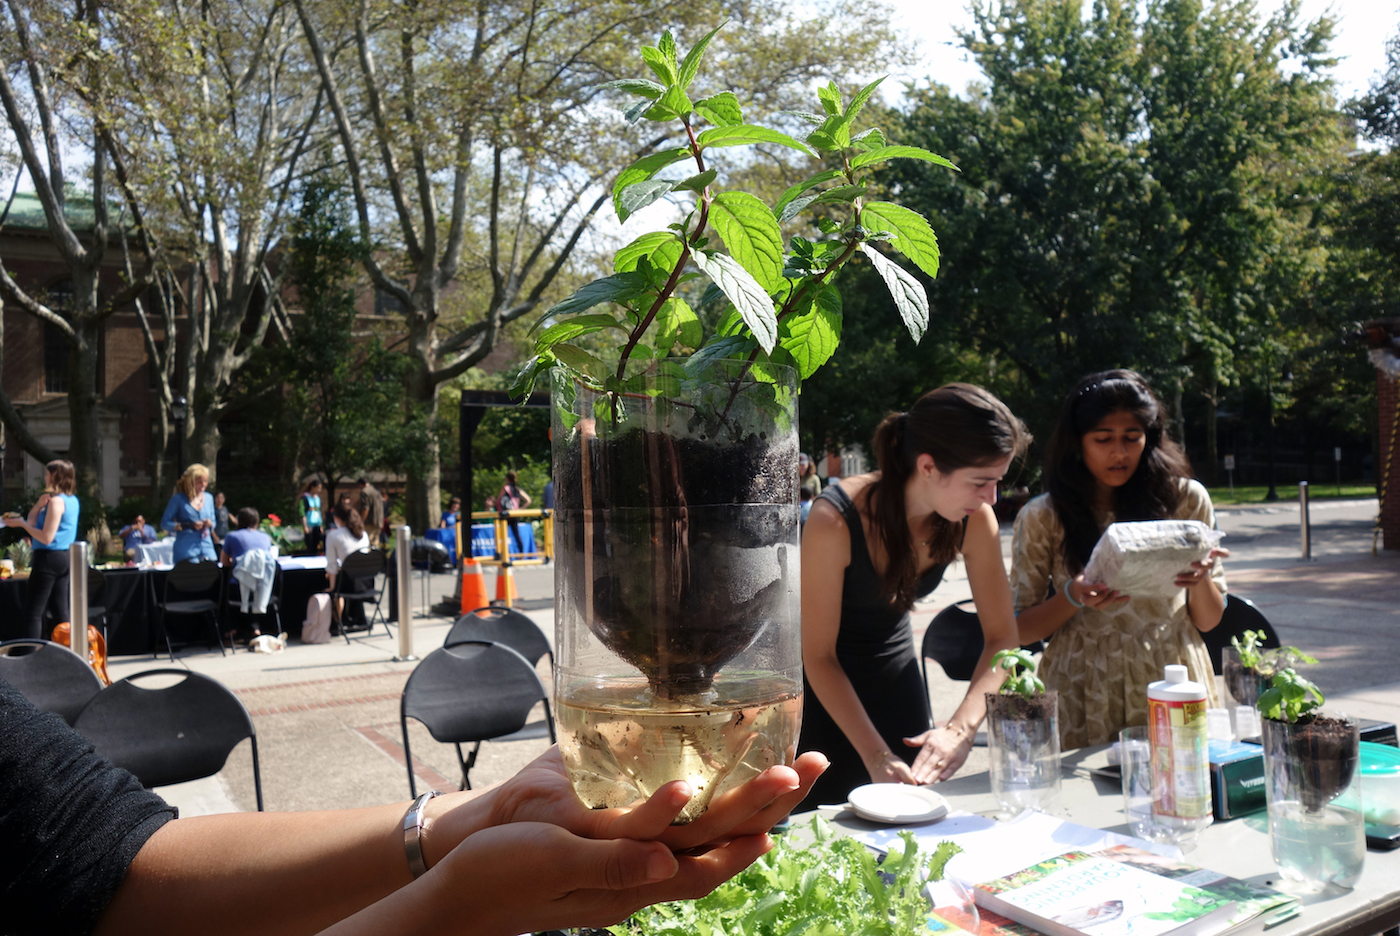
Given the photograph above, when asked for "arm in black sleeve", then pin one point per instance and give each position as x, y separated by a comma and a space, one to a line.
70, 822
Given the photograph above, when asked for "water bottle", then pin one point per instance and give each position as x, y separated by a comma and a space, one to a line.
1176, 715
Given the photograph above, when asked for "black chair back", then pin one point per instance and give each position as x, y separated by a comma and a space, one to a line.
473, 691
506, 626
192, 588
191, 577
50, 675
358, 580
1240, 615
169, 735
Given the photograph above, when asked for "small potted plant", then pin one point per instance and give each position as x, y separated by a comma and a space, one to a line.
1023, 735
1316, 829
1248, 666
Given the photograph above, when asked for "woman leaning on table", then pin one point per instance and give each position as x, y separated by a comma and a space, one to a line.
874, 543
190, 516
1110, 458
52, 526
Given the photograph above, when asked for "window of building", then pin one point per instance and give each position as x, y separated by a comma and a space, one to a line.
59, 298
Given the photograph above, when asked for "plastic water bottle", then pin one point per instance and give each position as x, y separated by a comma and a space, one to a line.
1176, 715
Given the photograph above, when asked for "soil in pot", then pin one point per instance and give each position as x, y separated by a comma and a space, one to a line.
682, 545
1325, 751
1243, 683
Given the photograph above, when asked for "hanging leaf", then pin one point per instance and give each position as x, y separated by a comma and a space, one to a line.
749, 298
908, 293
749, 230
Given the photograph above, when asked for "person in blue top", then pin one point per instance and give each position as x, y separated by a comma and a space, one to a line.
135, 535
52, 526
452, 515
190, 516
312, 524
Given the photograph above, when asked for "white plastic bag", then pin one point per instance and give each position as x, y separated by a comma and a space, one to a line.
1142, 558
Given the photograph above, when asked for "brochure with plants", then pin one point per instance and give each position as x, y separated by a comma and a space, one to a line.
1124, 890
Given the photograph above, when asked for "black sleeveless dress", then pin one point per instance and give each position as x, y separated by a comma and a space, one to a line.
875, 646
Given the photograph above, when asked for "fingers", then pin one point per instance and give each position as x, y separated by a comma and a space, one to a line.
751, 808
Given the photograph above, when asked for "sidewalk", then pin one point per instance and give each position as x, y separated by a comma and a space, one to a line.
327, 716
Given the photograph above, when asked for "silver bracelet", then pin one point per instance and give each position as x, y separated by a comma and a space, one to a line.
413, 834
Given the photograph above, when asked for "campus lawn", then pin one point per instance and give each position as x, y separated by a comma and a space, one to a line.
1254, 493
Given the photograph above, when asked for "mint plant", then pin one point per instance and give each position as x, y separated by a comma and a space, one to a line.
1253, 656
1287, 699
780, 303
1020, 679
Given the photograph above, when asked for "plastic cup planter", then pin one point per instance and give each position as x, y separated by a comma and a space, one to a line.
1023, 749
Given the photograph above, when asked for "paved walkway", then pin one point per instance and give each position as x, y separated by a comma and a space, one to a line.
328, 716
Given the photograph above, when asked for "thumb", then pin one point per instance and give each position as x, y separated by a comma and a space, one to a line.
614, 864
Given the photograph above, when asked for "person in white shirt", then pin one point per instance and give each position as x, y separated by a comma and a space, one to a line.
348, 537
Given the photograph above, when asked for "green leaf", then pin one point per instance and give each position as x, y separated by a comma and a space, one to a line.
524, 382
811, 338
747, 133
691, 65
913, 236
909, 295
676, 101
573, 328
661, 59
749, 230
625, 260
721, 109
696, 183
643, 86
620, 287
644, 169
861, 97
579, 360
831, 136
830, 97
744, 291
637, 111
900, 152
871, 139
801, 187
732, 346
636, 197
676, 322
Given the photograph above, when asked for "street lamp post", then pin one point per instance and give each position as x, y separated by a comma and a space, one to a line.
179, 409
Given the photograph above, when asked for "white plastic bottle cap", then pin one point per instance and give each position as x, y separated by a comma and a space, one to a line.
1175, 673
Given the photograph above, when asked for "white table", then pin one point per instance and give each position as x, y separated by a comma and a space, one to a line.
159, 553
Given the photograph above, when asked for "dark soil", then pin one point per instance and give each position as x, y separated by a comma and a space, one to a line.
1021, 708
1244, 684
1325, 751
666, 517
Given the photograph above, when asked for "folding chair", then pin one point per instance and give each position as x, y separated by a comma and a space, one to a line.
233, 603
195, 581
473, 691
97, 611
1240, 615
358, 580
169, 735
506, 626
954, 640
50, 675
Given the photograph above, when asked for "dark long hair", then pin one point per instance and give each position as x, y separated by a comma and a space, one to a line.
1153, 491
959, 426
351, 518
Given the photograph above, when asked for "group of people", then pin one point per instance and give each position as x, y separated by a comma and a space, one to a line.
526, 855
876, 542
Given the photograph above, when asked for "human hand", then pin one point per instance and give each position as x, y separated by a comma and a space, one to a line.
525, 877
1096, 595
541, 792
942, 752
885, 767
1200, 571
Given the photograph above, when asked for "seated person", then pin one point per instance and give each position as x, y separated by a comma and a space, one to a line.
134, 535
245, 539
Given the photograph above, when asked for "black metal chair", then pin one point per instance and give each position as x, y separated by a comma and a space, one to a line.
1240, 615
50, 675
97, 611
169, 735
503, 625
358, 580
233, 601
187, 591
473, 691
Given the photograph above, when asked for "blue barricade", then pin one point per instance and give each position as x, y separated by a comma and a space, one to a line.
447, 538
483, 541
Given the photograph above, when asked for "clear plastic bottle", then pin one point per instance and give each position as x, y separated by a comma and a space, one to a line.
1176, 710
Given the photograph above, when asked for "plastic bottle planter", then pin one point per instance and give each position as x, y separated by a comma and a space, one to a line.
1243, 683
1316, 828
678, 641
1023, 747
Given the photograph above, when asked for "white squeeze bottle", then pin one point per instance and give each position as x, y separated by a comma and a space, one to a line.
1176, 715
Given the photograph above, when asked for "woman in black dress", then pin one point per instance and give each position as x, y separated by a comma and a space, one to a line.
874, 543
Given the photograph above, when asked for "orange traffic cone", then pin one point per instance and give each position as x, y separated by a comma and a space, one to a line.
505, 585
473, 586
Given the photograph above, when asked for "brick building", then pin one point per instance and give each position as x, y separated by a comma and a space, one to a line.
36, 362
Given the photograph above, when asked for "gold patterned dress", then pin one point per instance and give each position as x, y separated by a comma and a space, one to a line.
1101, 662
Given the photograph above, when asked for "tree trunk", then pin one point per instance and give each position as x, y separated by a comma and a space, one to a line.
423, 491
84, 439
1212, 466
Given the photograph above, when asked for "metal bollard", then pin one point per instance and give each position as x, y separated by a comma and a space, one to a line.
78, 598
404, 563
1304, 521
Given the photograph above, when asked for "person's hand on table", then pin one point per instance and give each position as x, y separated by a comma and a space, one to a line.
885, 767
942, 751
1200, 571
532, 876
541, 792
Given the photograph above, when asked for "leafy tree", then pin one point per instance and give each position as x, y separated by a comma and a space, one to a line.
476, 145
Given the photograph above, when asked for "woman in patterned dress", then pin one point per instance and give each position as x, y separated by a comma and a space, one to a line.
1109, 459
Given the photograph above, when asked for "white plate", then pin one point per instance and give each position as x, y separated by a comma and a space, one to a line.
897, 803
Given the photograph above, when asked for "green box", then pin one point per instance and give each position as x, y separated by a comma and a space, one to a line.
1236, 779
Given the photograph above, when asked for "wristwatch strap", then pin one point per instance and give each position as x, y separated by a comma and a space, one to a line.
413, 834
